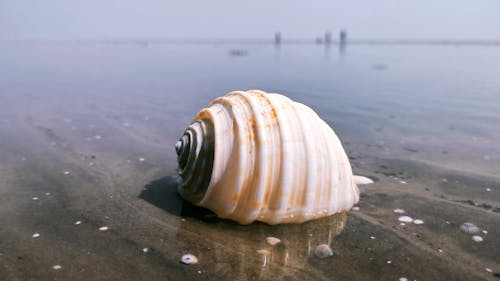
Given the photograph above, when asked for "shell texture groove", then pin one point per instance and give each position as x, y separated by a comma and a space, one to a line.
252, 156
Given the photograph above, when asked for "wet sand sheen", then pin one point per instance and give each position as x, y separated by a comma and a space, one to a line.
104, 175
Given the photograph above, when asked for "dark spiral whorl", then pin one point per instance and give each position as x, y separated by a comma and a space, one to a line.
195, 154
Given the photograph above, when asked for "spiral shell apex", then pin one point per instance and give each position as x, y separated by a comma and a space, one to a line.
256, 156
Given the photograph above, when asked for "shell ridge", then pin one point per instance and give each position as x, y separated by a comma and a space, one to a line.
245, 154
247, 208
292, 157
224, 153
279, 195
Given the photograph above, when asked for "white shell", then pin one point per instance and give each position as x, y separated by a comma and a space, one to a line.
256, 156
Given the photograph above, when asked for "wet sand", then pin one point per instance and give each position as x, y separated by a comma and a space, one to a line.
105, 158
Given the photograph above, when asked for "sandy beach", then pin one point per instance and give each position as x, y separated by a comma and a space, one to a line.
88, 180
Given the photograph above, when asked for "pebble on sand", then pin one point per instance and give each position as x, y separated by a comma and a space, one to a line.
35, 198
484, 231
418, 221
57, 267
399, 211
488, 189
469, 227
323, 251
189, 259
372, 237
36, 235
488, 269
142, 159
145, 250
78, 222
66, 173
403, 279
477, 238
103, 228
272, 240
405, 219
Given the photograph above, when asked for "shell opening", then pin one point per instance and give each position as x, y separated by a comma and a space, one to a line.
195, 150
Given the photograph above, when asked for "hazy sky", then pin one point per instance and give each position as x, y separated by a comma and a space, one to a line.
59, 19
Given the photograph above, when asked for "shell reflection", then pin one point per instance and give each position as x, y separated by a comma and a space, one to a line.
242, 250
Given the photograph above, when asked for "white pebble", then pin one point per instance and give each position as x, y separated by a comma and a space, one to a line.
484, 231
78, 222
142, 159
405, 219
145, 250
403, 279
488, 189
36, 235
372, 237
189, 259
389, 262
57, 267
47, 193
66, 173
103, 228
355, 208
477, 238
488, 269
418, 221
402, 223
399, 211
440, 250
35, 198
323, 251
272, 240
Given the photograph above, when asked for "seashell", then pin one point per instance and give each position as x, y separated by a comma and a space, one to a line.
256, 156
469, 227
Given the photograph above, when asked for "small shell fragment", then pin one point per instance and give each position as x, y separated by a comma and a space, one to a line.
145, 250
399, 211
405, 219
66, 173
469, 227
103, 228
35, 198
403, 279
272, 240
78, 222
418, 221
323, 251
189, 259
57, 267
36, 235
477, 238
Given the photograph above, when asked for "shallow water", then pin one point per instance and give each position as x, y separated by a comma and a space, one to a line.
89, 130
